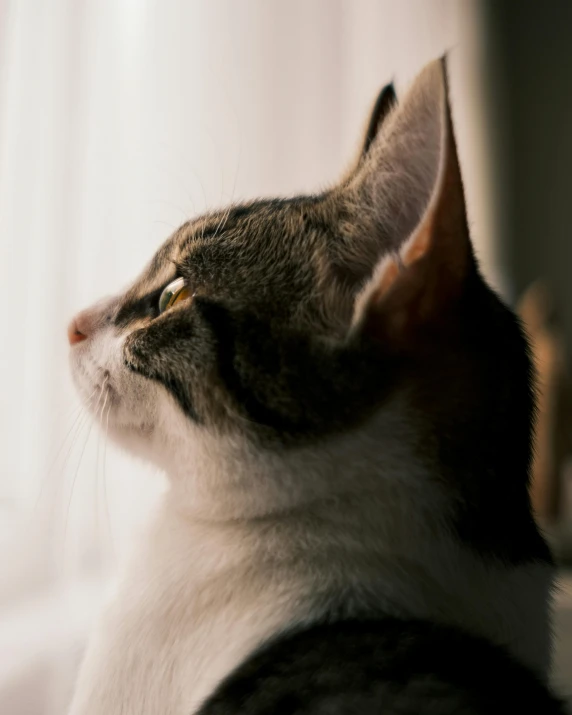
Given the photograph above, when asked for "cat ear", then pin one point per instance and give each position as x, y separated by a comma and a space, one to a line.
410, 191
381, 110
385, 102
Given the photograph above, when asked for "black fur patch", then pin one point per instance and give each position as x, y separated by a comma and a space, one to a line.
384, 103
146, 306
387, 667
294, 389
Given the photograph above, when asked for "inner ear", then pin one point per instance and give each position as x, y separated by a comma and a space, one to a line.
414, 178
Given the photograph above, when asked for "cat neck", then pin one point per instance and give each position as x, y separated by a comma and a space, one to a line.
226, 477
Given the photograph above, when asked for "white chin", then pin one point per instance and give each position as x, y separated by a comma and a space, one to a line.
121, 402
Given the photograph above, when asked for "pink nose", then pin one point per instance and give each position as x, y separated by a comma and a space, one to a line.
75, 335
84, 324
87, 322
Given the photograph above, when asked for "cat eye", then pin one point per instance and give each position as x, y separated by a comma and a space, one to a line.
174, 292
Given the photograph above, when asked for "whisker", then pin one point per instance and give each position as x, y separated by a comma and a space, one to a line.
97, 470
105, 499
75, 412
50, 514
58, 497
170, 226
185, 167
75, 415
96, 489
104, 383
69, 441
221, 224
66, 524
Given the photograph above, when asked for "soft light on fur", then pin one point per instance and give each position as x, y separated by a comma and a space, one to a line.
315, 469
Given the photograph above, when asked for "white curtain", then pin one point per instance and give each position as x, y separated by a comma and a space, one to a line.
118, 120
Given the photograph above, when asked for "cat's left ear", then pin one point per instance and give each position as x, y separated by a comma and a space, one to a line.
384, 104
413, 186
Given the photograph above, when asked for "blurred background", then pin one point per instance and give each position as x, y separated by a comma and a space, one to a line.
119, 119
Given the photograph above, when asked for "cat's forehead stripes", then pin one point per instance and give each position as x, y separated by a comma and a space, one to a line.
235, 252
163, 267
160, 268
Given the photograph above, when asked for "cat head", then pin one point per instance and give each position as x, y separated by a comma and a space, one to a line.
350, 327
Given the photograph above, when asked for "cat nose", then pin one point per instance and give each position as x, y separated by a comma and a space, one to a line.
89, 321
81, 326
75, 335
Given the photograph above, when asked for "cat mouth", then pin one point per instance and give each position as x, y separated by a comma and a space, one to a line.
106, 400
103, 382
96, 389
107, 404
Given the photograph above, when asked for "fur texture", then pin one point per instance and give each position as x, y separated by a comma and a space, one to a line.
382, 666
333, 406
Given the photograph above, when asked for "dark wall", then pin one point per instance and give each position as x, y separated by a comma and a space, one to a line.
530, 65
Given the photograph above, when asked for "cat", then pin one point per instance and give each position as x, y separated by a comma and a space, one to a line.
344, 410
